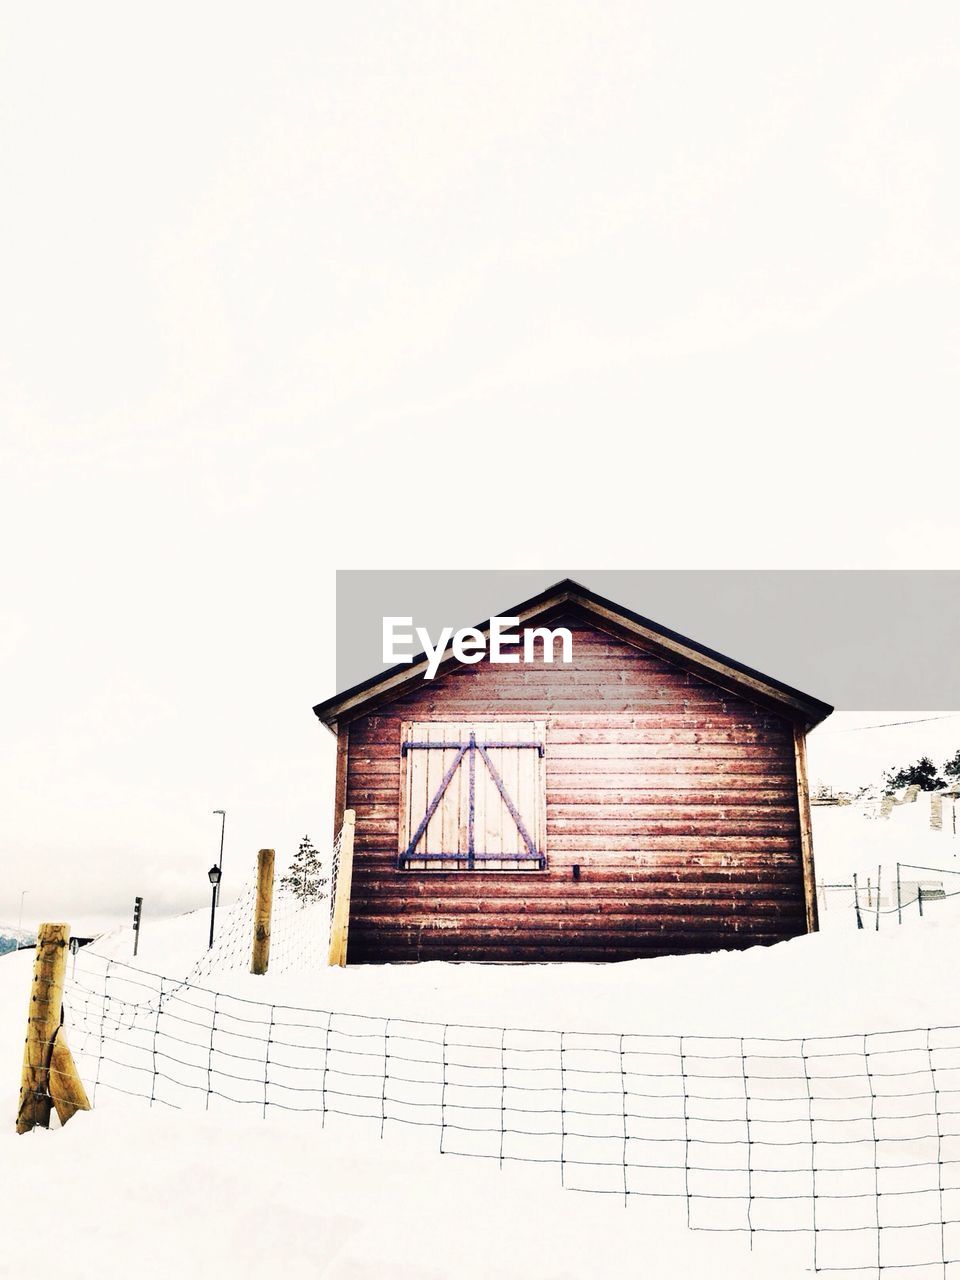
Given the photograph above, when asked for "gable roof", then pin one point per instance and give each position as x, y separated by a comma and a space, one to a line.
568, 597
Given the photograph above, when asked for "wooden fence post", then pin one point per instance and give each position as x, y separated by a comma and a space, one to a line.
43, 1022
66, 1087
262, 912
340, 924
856, 901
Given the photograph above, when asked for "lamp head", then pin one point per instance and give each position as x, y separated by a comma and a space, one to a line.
214, 875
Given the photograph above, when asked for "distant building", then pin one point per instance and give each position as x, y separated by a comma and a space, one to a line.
943, 809
822, 795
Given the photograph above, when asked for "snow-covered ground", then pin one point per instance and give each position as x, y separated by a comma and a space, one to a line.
224, 1193
135, 1192
855, 840
214, 1189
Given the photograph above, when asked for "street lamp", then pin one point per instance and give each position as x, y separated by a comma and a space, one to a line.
223, 824
214, 874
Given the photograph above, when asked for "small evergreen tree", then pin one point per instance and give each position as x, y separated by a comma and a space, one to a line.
922, 773
305, 879
951, 768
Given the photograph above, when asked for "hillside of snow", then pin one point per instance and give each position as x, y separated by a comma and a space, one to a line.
855, 839
264, 1170
12, 939
210, 1194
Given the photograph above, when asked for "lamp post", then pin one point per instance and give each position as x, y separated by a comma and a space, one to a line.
214, 875
223, 825
20, 919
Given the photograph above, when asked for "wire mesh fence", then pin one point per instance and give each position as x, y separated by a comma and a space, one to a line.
849, 1145
335, 872
907, 894
298, 936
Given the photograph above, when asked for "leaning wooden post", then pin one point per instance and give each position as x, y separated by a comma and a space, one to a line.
43, 1022
66, 1088
877, 925
262, 912
340, 924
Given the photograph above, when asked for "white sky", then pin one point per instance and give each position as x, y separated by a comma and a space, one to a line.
299, 287
856, 748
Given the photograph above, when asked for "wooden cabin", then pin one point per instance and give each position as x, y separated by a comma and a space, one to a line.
648, 798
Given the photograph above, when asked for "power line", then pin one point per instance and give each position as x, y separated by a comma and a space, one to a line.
890, 724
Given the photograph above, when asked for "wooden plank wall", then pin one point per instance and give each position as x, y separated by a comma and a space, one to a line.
677, 800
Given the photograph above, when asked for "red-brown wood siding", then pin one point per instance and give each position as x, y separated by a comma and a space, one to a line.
677, 799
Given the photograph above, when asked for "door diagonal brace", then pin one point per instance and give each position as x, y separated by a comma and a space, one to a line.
470, 749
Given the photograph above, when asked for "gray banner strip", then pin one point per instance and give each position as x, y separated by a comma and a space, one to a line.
864, 640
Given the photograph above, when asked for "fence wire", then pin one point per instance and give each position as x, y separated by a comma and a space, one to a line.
848, 1144
299, 933
334, 872
901, 902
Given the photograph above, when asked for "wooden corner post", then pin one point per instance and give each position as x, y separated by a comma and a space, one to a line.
263, 912
340, 923
43, 1023
806, 830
